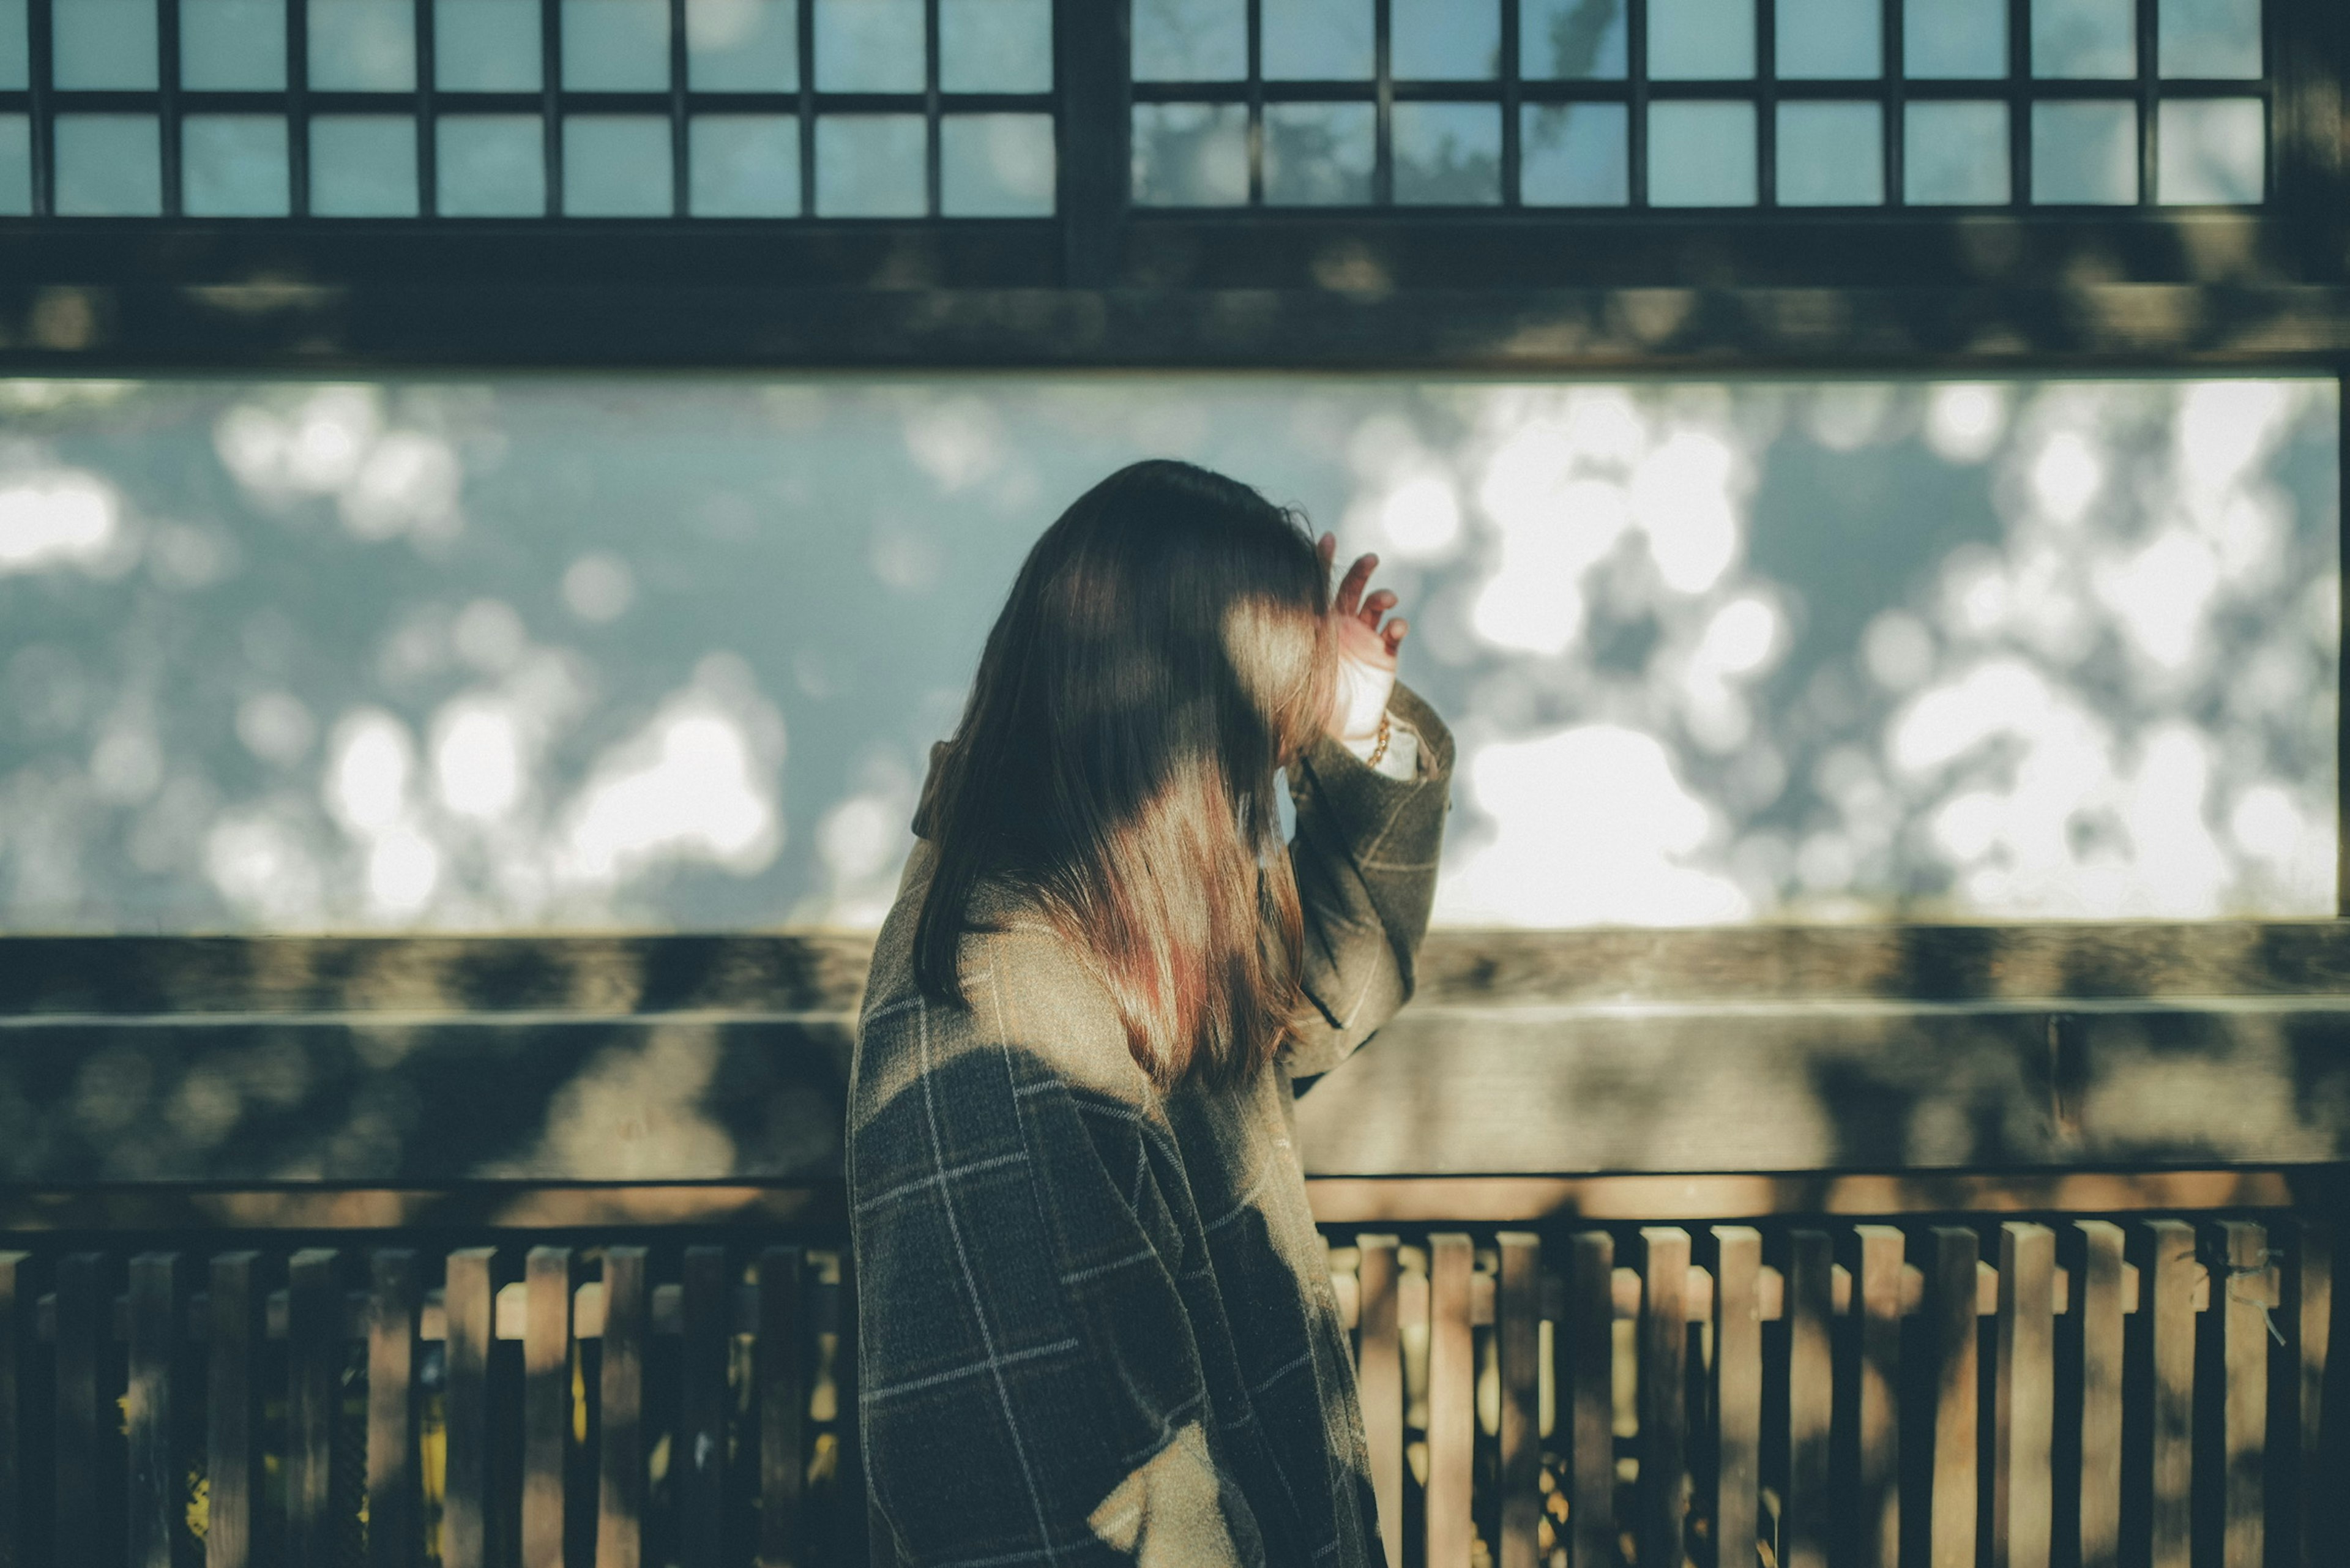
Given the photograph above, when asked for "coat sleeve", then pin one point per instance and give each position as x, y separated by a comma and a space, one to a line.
1030, 1388
1365, 858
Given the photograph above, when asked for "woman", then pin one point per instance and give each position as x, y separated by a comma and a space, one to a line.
1095, 1324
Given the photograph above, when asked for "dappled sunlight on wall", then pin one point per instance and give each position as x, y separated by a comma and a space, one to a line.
527, 653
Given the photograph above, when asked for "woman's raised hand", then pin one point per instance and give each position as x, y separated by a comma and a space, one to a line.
1366, 650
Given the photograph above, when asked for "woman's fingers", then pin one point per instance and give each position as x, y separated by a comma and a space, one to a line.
1351, 587
1378, 605
1394, 635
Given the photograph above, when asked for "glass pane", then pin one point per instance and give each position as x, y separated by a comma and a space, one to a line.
1444, 40
1700, 40
2211, 149
16, 47
995, 165
1951, 39
743, 45
1831, 154
367, 45
868, 46
1954, 155
231, 46
363, 166
1317, 40
108, 166
1702, 154
1574, 155
617, 166
234, 166
1191, 154
1191, 40
1319, 154
2085, 153
15, 166
491, 165
487, 45
996, 46
745, 166
2210, 38
1831, 40
103, 44
2084, 39
1572, 40
1447, 154
870, 166
616, 45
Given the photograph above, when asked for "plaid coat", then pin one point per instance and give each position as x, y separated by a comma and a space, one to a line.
1095, 1323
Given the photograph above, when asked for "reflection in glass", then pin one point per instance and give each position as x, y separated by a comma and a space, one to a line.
1446, 155
995, 165
363, 166
2210, 38
1702, 154
744, 165
1572, 40
490, 165
870, 165
234, 166
2211, 149
1444, 40
1700, 40
1317, 40
996, 46
108, 166
2085, 154
741, 45
102, 44
1830, 40
1951, 39
231, 46
15, 51
868, 46
1318, 154
15, 166
2084, 39
615, 45
1191, 40
485, 45
617, 166
1831, 154
1191, 154
1954, 155
1574, 155
363, 46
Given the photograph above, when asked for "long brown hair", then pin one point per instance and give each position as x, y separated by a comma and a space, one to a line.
1164, 652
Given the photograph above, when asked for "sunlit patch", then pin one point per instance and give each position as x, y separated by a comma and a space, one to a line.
2067, 475
2160, 596
957, 442
370, 761
1681, 497
2224, 428
1964, 421
258, 865
337, 442
477, 758
402, 869
1420, 518
64, 519
1897, 649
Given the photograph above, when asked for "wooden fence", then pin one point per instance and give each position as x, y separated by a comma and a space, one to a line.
2057, 1389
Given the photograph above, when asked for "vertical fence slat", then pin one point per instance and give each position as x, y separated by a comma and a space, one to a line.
1738, 1390
394, 1296
546, 1402
2314, 1300
783, 1405
1811, 1386
2240, 1289
1877, 1524
1517, 1330
2023, 1397
1950, 1325
82, 1317
467, 1304
313, 1383
15, 1329
2167, 1286
153, 1493
699, 1449
228, 1411
1379, 1376
1452, 1402
1589, 1334
1664, 1393
850, 1535
2096, 1312
620, 1495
